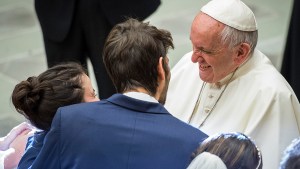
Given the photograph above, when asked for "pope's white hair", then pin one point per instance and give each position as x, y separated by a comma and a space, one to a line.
232, 37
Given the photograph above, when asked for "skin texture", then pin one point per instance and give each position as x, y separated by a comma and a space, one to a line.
9, 138
16, 150
214, 58
89, 91
163, 80
13, 144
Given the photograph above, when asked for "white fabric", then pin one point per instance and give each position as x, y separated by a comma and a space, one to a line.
258, 102
233, 13
141, 96
2, 154
207, 160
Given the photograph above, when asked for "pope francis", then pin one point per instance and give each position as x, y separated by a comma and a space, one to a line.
239, 90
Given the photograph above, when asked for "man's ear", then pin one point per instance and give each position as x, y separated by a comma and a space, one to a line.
160, 70
242, 53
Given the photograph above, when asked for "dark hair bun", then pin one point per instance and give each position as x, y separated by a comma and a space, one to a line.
26, 96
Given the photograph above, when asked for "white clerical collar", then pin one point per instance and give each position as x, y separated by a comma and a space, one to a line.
141, 96
222, 82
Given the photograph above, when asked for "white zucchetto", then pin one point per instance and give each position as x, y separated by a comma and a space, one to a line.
206, 160
233, 13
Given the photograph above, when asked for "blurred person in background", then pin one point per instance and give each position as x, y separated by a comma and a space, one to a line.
74, 30
290, 65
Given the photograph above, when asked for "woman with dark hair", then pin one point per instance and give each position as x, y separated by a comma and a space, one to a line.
235, 150
38, 98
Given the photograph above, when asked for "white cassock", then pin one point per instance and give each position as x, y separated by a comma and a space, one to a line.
258, 101
2, 155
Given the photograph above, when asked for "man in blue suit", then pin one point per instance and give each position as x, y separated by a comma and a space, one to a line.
131, 129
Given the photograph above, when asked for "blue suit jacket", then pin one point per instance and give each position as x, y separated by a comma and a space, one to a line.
117, 133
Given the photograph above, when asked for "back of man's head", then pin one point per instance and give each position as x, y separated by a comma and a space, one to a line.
131, 55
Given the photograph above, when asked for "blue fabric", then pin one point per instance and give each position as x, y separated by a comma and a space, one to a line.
117, 133
33, 147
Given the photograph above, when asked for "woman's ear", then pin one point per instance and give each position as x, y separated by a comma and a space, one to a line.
243, 51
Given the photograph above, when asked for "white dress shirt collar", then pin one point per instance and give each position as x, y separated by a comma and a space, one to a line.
141, 96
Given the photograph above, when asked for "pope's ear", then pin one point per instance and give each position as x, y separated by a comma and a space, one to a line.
242, 54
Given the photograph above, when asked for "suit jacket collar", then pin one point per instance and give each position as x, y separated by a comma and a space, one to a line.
138, 105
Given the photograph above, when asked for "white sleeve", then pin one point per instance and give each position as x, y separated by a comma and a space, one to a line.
2, 154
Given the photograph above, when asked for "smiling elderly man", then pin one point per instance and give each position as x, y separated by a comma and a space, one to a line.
239, 89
